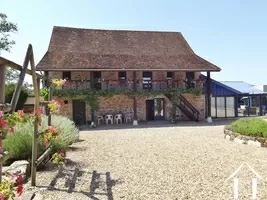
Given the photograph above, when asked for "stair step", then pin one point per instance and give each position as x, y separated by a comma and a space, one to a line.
186, 107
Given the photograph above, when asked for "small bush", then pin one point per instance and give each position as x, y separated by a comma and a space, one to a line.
68, 131
57, 145
19, 143
250, 126
19, 146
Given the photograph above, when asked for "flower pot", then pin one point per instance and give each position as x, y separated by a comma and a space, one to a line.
3, 133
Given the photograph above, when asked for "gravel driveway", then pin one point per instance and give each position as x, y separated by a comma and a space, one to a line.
186, 162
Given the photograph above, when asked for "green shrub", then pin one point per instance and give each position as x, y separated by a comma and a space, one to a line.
10, 89
250, 126
19, 143
68, 130
58, 144
19, 146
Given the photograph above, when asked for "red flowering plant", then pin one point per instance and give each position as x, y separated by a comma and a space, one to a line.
11, 187
49, 134
59, 158
8, 121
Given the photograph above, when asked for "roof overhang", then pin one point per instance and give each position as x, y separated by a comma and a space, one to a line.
122, 69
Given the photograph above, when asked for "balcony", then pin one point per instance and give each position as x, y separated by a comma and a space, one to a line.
128, 85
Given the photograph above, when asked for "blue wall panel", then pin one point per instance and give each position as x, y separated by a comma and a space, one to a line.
220, 89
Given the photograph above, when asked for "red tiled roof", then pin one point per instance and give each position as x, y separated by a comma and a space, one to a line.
73, 48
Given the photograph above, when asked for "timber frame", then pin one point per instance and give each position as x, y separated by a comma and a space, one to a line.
6, 107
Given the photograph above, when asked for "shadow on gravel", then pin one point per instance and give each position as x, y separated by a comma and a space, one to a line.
158, 124
73, 148
100, 184
96, 183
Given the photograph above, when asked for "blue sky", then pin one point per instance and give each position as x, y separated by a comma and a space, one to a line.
229, 33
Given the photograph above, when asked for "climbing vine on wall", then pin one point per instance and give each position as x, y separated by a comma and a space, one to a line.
91, 96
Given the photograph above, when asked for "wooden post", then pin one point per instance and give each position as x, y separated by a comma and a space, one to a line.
208, 96
2, 101
236, 105
16, 94
260, 105
47, 84
36, 107
49, 99
135, 122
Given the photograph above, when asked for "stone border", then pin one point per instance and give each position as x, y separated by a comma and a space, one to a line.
243, 139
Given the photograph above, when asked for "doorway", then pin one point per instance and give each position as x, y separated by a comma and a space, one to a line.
78, 112
147, 80
155, 109
96, 80
150, 110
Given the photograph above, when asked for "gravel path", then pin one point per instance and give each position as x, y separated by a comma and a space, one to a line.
187, 162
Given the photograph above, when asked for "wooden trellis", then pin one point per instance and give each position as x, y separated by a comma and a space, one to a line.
29, 58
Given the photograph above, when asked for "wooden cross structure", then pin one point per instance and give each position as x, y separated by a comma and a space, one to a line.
10, 107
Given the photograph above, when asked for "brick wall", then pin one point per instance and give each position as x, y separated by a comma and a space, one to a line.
80, 75
66, 109
55, 75
198, 102
110, 75
122, 104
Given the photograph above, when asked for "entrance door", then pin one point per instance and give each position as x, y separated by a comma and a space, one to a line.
150, 109
78, 112
159, 109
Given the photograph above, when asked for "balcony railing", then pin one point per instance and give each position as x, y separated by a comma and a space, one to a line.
128, 85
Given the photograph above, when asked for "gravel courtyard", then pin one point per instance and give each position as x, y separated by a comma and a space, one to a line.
172, 162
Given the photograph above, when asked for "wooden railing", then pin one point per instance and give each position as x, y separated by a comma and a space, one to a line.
186, 106
128, 85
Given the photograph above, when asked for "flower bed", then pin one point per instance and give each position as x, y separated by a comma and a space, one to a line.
10, 187
251, 131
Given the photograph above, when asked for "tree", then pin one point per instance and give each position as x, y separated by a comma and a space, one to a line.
9, 91
6, 28
12, 75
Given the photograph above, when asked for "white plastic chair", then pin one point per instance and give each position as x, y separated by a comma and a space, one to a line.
128, 118
118, 118
109, 118
99, 119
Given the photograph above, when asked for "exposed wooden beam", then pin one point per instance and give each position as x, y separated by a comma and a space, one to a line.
209, 94
134, 99
36, 107
13, 65
17, 91
2, 101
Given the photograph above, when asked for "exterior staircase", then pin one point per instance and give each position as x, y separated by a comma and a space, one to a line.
185, 107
